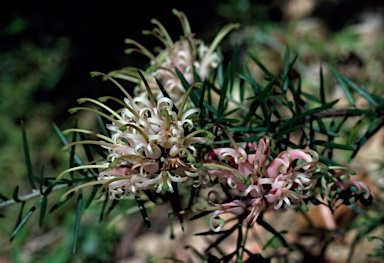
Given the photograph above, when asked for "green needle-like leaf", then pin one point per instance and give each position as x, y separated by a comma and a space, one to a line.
346, 91
43, 210
299, 118
102, 125
77, 220
286, 69
175, 200
165, 93
24, 219
222, 237
334, 145
186, 86
92, 196
61, 202
65, 142
262, 67
27, 156
3, 197
223, 92
322, 88
359, 90
143, 211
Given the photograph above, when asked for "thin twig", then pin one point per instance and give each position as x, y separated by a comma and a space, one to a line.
34, 194
332, 114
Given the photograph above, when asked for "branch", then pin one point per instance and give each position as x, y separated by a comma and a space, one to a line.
34, 194
343, 113
335, 113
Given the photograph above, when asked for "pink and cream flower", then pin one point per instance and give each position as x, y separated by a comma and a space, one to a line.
189, 55
151, 143
261, 183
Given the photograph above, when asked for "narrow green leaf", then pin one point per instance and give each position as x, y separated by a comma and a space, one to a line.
201, 101
43, 210
92, 196
340, 80
322, 127
239, 236
299, 118
186, 86
22, 222
262, 67
199, 215
72, 151
77, 220
271, 240
196, 252
3, 197
150, 195
104, 206
250, 113
65, 142
322, 89
220, 70
86, 147
331, 139
27, 156
311, 97
374, 127
273, 231
143, 211
222, 237
102, 125
228, 257
61, 202
286, 69
210, 108
334, 145
379, 99
359, 90
175, 201
340, 125
288, 131
41, 183
264, 107
193, 194
165, 93
241, 90
15, 194
223, 91
353, 133
111, 207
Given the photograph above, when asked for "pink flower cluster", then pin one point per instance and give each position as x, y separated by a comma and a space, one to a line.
262, 183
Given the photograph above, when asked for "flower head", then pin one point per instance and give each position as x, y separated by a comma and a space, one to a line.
151, 143
189, 55
285, 181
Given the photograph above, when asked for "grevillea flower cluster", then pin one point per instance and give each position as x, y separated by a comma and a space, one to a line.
194, 60
151, 143
154, 136
262, 183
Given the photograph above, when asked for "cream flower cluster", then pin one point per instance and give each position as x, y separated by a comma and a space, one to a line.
151, 143
189, 55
